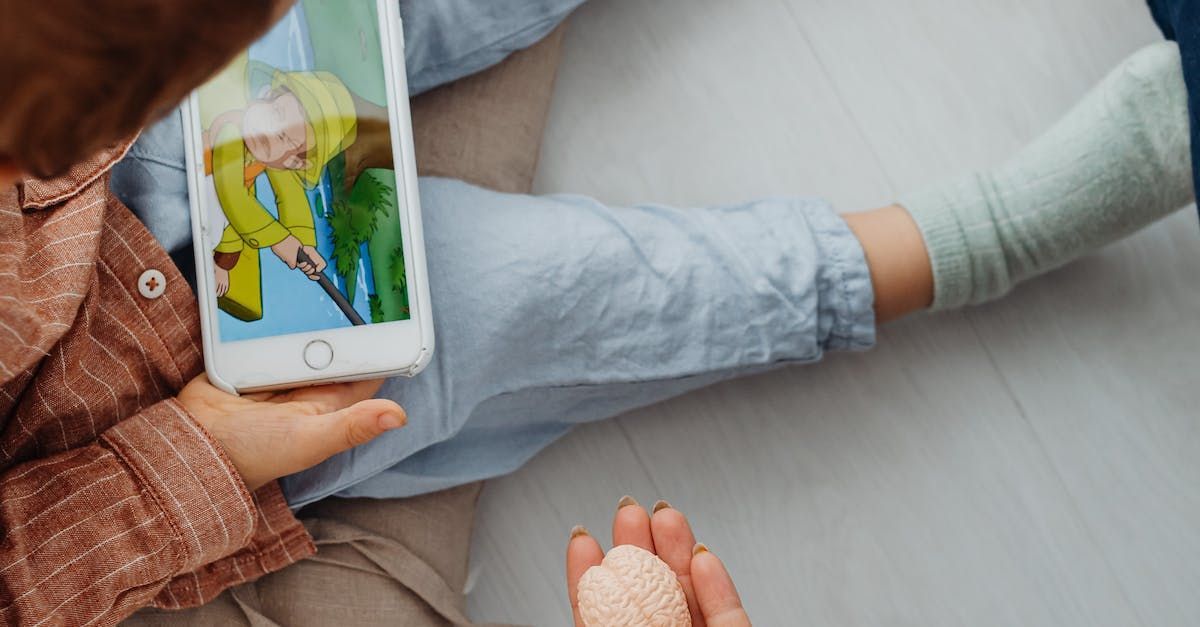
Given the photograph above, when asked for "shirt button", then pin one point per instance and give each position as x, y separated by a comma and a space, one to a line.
152, 284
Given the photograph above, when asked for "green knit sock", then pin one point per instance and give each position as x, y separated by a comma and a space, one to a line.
1117, 162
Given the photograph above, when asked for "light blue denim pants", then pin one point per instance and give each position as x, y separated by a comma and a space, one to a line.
554, 311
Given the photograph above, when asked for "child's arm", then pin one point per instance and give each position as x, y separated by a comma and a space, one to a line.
97, 531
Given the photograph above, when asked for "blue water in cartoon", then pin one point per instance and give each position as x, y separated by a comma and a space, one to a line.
292, 303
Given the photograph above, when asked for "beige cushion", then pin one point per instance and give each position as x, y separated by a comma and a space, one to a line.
486, 129
404, 561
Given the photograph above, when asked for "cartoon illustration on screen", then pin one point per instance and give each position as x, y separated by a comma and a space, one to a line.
298, 160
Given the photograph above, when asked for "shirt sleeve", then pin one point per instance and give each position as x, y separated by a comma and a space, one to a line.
246, 215
295, 212
230, 242
94, 533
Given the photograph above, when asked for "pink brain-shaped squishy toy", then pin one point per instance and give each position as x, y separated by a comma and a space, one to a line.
632, 587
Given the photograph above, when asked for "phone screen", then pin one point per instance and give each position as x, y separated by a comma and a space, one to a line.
298, 180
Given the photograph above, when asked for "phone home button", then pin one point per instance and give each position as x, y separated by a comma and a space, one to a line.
318, 354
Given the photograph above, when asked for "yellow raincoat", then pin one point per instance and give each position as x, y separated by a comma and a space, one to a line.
332, 126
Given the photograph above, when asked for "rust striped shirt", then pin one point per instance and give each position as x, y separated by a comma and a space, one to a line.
111, 496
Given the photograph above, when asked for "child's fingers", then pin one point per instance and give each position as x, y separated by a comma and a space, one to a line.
328, 398
716, 595
583, 552
260, 397
673, 539
631, 525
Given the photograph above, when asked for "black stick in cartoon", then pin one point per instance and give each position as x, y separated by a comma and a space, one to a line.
334, 293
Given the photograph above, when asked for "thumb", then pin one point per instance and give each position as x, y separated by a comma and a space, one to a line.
326, 435
715, 593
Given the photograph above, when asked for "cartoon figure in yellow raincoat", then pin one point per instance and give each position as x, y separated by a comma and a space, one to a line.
295, 124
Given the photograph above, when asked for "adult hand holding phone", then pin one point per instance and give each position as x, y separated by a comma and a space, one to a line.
271, 434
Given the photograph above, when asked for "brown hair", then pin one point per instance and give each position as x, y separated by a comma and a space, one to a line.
79, 75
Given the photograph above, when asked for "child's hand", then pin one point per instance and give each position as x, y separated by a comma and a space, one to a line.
272, 434
712, 598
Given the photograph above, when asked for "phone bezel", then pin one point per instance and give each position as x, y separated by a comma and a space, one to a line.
277, 362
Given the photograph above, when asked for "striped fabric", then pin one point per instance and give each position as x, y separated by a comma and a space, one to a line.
111, 496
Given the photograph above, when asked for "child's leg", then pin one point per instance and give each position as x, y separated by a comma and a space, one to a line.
449, 39
555, 311
1117, 162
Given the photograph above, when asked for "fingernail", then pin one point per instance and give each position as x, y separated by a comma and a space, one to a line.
661, 504
699, 548
579, 530
626, 501
391, 421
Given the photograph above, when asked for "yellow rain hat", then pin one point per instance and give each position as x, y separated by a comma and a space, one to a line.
332, 122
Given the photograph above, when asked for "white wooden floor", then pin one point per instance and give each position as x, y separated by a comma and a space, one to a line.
1032, 462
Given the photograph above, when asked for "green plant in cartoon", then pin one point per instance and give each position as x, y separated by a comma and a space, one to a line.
367, 217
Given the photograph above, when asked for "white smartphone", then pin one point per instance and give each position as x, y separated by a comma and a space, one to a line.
306, 220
